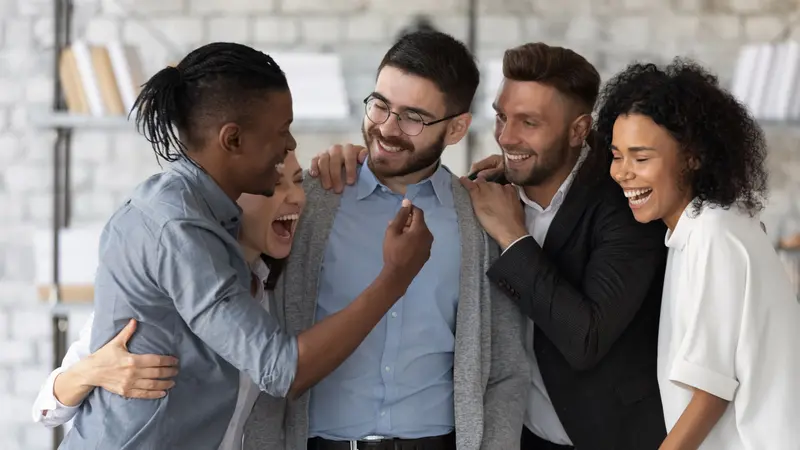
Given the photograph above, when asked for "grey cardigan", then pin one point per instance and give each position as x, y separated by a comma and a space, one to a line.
491, 372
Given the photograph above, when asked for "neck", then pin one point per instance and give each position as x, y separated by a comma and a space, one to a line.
399, 184
671, 220
217, 172
250, 255
542, 194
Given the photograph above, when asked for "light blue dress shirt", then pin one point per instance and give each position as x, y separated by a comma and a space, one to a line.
399, 382
169, 258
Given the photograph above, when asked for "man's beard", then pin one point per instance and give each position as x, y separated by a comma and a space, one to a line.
544, 167
418, 160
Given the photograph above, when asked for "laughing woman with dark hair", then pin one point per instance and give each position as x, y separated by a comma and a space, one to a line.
687, 153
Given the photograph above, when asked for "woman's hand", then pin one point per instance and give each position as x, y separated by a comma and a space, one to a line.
116, 370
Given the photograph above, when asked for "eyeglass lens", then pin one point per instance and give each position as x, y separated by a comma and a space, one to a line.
378, 112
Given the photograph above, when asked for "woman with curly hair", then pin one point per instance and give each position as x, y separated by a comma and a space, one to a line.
687, 153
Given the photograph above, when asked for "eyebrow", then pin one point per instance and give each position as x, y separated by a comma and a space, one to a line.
419, 111
637, 148
297, 172
529, 114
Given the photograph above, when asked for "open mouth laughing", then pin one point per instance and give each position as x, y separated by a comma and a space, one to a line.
638, 197
285, 225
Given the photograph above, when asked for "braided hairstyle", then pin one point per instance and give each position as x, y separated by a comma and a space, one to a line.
212, 84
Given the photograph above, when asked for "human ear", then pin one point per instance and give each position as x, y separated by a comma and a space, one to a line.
230, 138
457, 129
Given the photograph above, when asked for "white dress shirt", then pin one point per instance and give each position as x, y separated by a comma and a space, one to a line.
48, 411
541, 418
730, 326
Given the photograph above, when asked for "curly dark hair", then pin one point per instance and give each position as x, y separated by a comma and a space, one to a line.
709, 124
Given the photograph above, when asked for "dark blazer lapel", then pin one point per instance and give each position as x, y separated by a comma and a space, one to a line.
568, 216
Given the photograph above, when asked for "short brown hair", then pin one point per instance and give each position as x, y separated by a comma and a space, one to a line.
568, 72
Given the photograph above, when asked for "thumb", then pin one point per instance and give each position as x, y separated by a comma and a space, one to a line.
468, 184
126, 333
417, 219
362, 155
401, 218
488, 163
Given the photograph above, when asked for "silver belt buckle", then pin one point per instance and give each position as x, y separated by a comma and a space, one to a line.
370, 438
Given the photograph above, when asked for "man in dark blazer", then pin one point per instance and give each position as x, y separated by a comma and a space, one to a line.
574, 260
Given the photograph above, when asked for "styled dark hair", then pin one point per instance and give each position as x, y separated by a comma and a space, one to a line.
212, 84
710, 125
440, 58
563, 69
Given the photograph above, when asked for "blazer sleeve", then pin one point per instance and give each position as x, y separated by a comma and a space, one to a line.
505, 399
584, 321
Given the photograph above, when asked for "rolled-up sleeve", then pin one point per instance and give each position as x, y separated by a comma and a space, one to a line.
195, 271
706, 355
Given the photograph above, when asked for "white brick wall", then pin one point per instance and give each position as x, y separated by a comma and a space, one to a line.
106, 165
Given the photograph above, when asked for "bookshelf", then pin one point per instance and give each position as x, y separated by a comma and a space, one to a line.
61, 119
62, 23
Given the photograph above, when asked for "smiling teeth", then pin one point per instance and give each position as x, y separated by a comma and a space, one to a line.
279, 167
389, 148
638, 196
517, 157
636, 192
288, 217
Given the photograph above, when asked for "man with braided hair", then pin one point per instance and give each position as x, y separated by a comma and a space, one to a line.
169, 258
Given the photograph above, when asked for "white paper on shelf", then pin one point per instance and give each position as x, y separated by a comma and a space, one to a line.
317, 84
78, 255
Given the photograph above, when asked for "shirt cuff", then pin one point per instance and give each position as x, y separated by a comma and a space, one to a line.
280, 382
684, 372
46, 403
512, 244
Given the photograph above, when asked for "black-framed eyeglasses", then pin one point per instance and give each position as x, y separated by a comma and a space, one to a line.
409, 121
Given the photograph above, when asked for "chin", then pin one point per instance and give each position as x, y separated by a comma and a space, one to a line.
644, 216
278, 250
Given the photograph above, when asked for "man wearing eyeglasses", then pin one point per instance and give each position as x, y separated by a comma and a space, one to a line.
446, 366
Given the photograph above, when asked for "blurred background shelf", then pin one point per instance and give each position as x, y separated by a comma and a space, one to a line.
64, 120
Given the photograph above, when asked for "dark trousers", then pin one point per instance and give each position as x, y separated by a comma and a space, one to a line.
531, 441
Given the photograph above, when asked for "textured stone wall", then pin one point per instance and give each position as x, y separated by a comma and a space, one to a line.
106, 165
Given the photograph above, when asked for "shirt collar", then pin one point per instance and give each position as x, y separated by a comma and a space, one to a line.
440, 182
562, 190
260, 269
678, 237
224, 210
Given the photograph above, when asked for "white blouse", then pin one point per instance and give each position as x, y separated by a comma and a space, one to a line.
48, 411
730, 326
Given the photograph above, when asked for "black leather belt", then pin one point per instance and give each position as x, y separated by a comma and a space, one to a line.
446, 442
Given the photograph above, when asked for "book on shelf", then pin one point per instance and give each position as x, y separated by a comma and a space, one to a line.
100, 80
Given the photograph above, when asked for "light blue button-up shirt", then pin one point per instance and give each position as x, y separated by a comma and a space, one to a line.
169, 258
399, 382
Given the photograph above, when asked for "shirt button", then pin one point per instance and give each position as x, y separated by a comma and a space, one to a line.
387, 368
383, 413
394, 314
